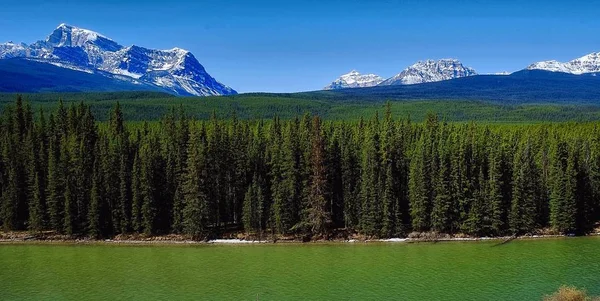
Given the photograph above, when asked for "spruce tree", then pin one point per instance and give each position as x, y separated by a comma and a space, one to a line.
318, 218
495, 185
196, 210
390, 178
56, 186
523, 210
253, 207
563, 204
441, 212
418, 190
136, 195
370, 192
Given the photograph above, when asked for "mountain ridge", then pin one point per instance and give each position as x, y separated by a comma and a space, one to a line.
588, 63
429, 71
418, 73
175, 70
354, 79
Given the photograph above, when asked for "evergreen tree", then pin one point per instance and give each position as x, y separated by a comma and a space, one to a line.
441, 212
418, 190
563, 204
371, 209
56, 186
523, 213
318, 218
391, 224
495, 185
253, 207
136, 195
94, 226
195, 212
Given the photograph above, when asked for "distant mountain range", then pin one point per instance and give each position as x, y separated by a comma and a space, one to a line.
73, 59
176, 71
354, 79
586, 64
421, 72
521, 87
430, 71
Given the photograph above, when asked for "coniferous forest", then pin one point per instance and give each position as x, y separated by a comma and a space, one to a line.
382, 176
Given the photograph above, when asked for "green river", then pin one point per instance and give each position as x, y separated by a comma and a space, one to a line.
518, 270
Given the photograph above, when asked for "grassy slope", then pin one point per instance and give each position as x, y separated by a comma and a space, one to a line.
150, 106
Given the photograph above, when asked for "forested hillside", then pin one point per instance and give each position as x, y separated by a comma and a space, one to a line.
150, 106
380, 177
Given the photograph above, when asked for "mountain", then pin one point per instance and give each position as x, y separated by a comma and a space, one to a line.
175, 70
586, 64
526, 86
25, 75
354, 79
430, 71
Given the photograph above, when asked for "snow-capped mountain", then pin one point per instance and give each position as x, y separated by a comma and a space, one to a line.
174, 70
354, 79
586, 64
430, 71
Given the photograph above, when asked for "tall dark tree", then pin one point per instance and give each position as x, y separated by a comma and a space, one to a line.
523, 213
370, 191
317, 217
563, 205
196, 210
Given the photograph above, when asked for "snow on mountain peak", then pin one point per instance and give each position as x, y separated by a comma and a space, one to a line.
354, 79
586, 64
175, 70
430, 71
178, 50
71, 36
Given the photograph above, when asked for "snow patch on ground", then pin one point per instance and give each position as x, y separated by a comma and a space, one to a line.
234, 241
394, 240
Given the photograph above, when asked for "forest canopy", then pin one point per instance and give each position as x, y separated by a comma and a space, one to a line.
379, 177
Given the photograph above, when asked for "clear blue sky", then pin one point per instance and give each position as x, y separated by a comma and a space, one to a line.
285, 46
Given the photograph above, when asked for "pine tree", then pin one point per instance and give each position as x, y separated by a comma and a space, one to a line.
124, 194
371, 209
136, 195
195, 212
56, 186
9, 197
390, 178
495, 189
253, 207
318, 218
563, 204
418, 190
94, 211
285, 181
478, 215
350, 179
441, 212
523, 213
147, 189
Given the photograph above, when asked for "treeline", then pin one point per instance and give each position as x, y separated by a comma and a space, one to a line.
383, 177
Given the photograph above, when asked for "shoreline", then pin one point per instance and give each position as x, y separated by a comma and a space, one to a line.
160, 240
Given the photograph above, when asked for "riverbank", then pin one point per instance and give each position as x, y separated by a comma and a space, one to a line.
53, 238
519, 270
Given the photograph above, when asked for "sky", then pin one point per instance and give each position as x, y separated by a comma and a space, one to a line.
289, 46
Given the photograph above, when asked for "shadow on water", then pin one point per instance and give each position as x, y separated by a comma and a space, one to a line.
505, 241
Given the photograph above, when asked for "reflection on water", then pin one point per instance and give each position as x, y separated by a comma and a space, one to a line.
519, 270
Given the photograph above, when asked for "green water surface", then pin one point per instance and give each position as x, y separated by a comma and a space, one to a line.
519, 270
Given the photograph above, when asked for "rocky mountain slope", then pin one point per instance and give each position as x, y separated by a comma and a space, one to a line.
175, 70
354, 79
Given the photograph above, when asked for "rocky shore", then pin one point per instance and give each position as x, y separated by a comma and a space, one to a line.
52, 237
